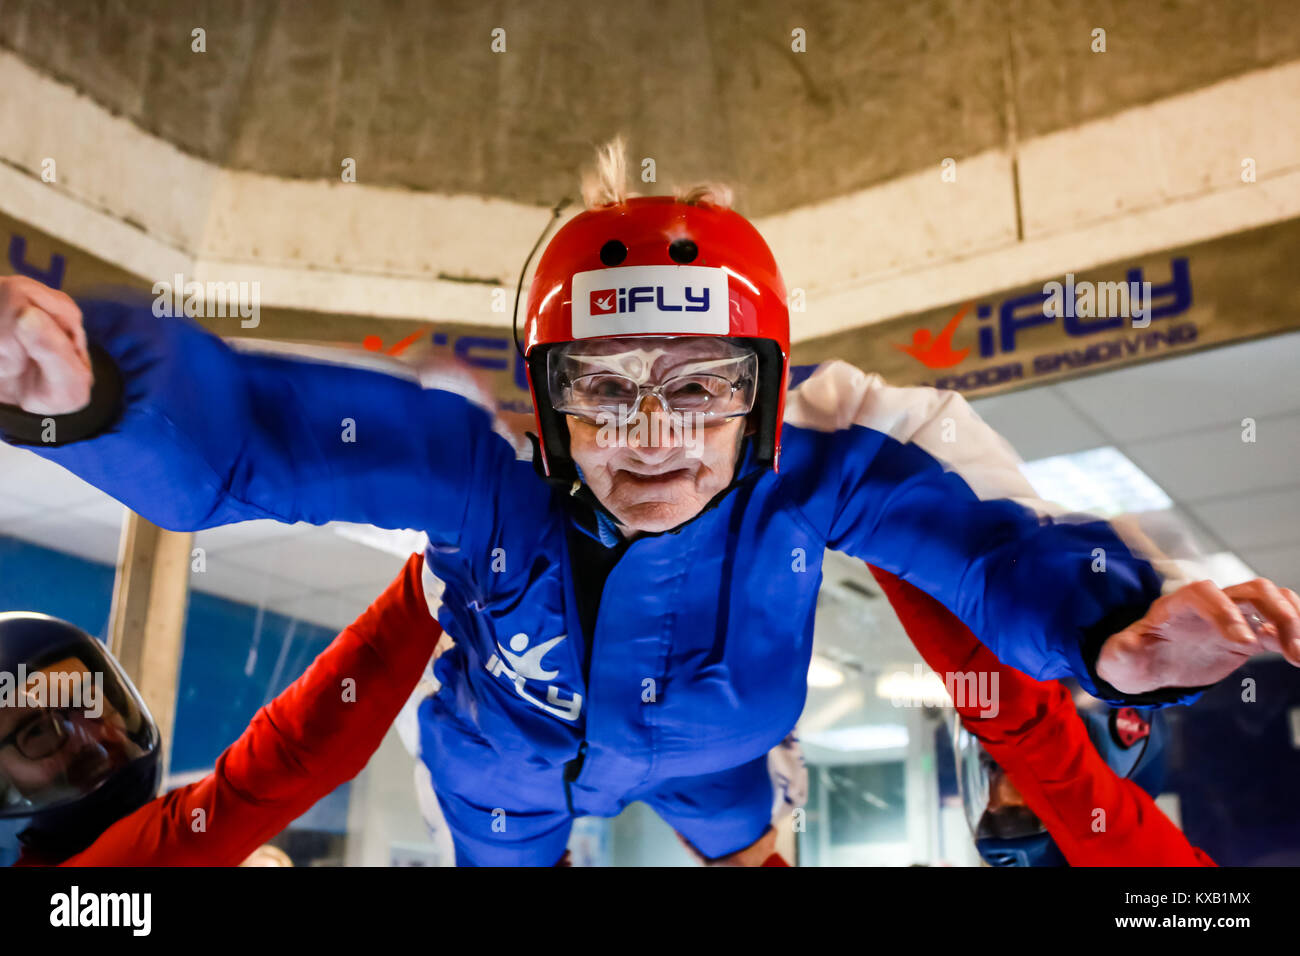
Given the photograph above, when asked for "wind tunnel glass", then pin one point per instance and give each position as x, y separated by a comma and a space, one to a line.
710, 378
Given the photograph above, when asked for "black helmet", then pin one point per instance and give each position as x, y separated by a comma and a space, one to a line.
78, 747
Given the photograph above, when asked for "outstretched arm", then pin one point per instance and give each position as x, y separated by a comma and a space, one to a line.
204, 435
913, 481
319, 733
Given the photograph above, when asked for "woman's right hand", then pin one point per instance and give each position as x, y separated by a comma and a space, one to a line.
44, 362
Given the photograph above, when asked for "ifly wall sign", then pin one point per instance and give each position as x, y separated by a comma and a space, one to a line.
1090, 323
1229, 289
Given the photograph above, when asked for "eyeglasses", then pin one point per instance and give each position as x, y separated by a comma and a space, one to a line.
43, 735
596, 389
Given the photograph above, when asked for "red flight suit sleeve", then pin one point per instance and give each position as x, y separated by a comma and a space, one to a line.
316, 735
1038, 739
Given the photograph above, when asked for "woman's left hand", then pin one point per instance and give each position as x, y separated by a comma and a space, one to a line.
1200, 634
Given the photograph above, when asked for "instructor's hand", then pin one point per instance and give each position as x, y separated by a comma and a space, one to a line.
44, 363
1200, 634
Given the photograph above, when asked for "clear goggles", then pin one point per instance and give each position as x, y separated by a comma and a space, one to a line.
706, 378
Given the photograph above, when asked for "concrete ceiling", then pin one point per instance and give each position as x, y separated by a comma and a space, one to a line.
413, 92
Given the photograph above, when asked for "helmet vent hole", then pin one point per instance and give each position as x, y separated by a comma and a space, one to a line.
683, 251
613, 252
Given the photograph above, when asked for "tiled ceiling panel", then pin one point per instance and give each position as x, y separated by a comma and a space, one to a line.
1213, 463
1216, 387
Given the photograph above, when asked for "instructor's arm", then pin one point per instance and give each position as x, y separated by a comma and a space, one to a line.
319, 733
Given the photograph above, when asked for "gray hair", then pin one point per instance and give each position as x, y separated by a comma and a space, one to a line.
606, 182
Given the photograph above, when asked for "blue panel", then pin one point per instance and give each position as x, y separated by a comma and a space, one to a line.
51, 582
236, 659
1233, 766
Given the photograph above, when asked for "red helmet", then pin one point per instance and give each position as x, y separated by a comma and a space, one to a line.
655, 266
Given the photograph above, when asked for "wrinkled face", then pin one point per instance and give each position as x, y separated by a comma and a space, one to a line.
658, 464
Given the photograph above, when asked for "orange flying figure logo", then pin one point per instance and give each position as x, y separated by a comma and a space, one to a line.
937, 351
373, 343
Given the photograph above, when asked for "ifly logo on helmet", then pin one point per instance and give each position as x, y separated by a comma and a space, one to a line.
648, 300
614, 301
